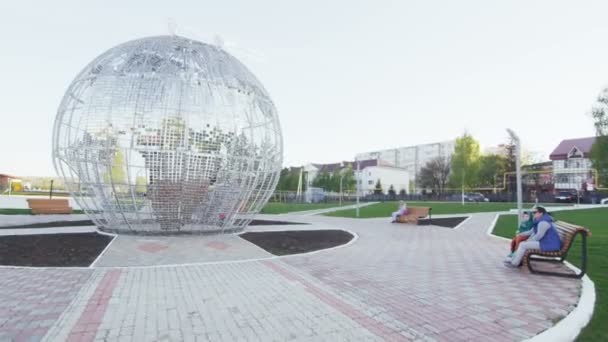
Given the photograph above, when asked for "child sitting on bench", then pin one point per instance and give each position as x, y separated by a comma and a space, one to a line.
527, 221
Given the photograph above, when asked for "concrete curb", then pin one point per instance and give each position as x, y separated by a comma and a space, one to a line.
463, 222
114, 237
570, 327
328, 210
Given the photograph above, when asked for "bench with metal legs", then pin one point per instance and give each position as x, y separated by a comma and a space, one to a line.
567, 233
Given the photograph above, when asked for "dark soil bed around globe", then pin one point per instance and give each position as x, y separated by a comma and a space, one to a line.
448, 222
53, 224
297, 241
57, 250
272, 223
90, 223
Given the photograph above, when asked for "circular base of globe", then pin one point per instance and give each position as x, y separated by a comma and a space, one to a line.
185, 230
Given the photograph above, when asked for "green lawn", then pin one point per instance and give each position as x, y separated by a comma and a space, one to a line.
597, 265
37, 193
281, 208
386, 208
27, 211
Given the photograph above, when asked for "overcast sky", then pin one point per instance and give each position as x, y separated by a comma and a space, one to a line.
346, 77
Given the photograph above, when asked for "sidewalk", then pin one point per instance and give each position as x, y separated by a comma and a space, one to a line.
395, 282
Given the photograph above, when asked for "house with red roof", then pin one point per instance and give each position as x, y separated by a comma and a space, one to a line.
572, 169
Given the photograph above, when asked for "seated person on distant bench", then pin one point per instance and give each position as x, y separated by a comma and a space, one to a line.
527, 221
543, 236
401, 211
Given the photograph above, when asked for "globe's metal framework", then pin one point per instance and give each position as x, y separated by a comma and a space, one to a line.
167, 134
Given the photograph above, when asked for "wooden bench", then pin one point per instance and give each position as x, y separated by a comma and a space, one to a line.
49, 206
567, 232
414, 214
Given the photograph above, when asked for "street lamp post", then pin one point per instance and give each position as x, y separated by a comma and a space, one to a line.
517, 172
358, 185
462, 189
306, 195
341, 177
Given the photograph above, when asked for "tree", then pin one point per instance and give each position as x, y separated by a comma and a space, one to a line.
118, 168
491, 169
282, 179
599, 112
16, 186
141, 185
349, 182
334, 181
599, 158
289, 178
378, 188
465, 162
348, 179
599, 150
511, 165
322, 180
391, 191
117, 174
435, 174
331, 181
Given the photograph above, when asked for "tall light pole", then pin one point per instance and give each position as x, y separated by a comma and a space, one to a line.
462, 190
307, 195
341, 177
517, 172
358, 185
299, 188
341, 172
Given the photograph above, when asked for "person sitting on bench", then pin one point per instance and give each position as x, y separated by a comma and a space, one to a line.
527, 221
543, 236
401, 211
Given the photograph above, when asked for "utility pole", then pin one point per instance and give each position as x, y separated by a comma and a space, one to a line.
299, 188
518, 173
358, 185
341, 177
462, 189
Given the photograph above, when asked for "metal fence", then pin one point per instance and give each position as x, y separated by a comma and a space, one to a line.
451, 196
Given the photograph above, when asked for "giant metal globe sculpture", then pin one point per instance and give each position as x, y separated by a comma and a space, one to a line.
165, 135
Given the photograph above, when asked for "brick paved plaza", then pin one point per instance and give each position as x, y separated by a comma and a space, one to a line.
393, 283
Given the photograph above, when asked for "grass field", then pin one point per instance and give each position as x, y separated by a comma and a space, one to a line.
597, 265
281, 208
37, 193
386, 208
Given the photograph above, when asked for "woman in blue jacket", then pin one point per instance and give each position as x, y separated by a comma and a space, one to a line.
543, 236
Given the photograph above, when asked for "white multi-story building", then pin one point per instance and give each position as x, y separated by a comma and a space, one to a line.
572, 169
412, 158
370, 171
388, 176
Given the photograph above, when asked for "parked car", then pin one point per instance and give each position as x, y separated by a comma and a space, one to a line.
475, 197
566, 196
604, 201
